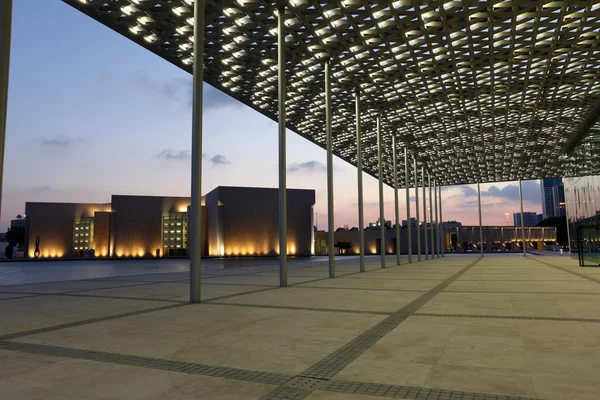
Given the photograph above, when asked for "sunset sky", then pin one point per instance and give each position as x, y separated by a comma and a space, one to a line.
93, 114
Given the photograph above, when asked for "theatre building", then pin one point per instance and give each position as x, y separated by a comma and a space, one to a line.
236, 221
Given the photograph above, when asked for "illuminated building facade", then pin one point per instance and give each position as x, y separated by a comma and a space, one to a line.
454, 239
236, 221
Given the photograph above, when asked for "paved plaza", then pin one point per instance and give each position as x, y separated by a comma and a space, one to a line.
461, 327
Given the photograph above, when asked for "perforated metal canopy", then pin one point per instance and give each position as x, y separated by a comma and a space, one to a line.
482, 91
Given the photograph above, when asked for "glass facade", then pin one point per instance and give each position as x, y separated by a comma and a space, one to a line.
582, 195
583, 211
174, 234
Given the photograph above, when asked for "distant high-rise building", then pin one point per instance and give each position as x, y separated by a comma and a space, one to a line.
375, 225
530, 218
451, 224
553, 198
413, 223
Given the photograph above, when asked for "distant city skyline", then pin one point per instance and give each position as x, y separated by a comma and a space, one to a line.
98, 115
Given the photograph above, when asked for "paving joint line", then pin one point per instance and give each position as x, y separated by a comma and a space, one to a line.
117, 297
229, 296
235, 284
25, 296
589, 278
71, 294
269, 288
520, 292
99, 279
338, 310
522, 317
351, 288
16, 335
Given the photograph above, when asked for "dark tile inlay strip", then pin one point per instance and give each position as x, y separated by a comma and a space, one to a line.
286, 393
150, 362
408, 392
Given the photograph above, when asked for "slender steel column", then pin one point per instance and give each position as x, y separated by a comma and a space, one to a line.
381, 210
437, 222
522, 220
407, 185
195, 227
283, 273
542, 232
330, 212
361, 216
567, 218
5, 41
442, 232
480, 226
431, 217
396, 207
424, 213
416, 173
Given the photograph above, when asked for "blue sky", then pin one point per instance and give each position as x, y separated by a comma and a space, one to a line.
92, 114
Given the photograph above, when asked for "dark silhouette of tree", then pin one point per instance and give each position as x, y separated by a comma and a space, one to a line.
16, 235
560, 223
344, 246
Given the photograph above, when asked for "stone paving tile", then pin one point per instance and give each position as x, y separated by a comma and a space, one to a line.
38, 314
338, 360
272, 340
11, 296
323, 395
572, 271
338, 299
533, 349
375, 284
516, 304
519, 317
526, 286
409, 392
148, 362
72, 286
60, 378
176, 291
286, 393
337, 310
263, 280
